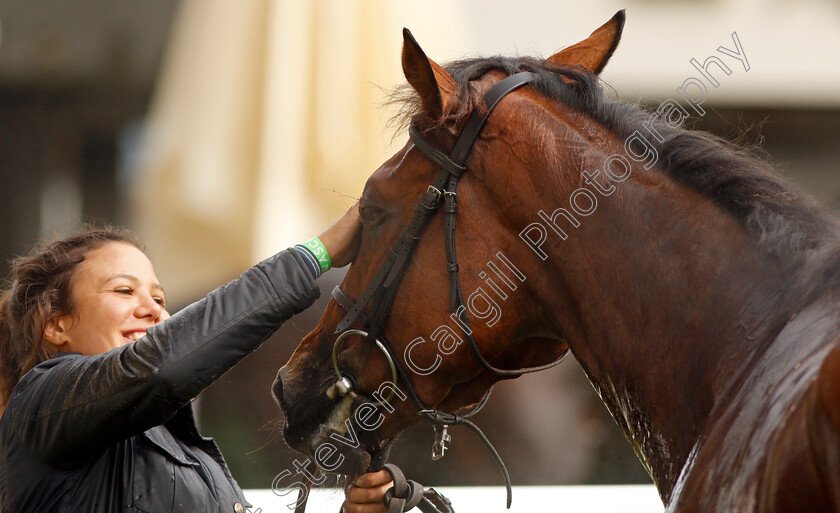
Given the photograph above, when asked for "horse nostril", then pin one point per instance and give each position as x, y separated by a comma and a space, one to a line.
277, 390
287, 390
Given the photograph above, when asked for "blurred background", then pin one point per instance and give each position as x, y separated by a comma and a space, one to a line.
224, 131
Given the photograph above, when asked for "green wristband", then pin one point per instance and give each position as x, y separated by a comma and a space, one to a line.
320, 252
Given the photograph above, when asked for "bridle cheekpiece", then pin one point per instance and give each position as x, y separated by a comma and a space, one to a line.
379, 296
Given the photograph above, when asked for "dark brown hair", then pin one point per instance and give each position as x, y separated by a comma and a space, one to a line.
40, 291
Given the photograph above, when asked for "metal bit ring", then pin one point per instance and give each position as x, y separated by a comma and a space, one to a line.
381, 347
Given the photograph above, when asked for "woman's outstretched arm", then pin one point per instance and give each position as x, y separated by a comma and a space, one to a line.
69, 407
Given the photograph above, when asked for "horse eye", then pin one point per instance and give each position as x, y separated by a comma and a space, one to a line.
372, 216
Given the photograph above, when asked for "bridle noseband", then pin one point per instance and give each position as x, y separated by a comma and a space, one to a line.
382, 289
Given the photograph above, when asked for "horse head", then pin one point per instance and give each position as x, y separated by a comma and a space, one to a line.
499, 280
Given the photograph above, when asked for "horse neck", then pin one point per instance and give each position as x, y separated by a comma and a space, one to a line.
660, 298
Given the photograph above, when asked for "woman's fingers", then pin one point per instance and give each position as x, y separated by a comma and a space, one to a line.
375, 494
342, 238
366, 493
373, 479
349, 507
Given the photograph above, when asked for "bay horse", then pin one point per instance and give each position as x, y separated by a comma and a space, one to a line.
697, 289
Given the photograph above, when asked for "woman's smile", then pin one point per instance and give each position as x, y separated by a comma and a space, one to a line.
134, 335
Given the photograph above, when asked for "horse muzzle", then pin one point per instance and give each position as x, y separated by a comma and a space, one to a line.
321, 426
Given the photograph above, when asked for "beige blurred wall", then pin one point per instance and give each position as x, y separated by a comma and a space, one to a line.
201, 146
267, 120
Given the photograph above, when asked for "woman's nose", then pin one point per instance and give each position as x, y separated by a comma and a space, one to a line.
149, 307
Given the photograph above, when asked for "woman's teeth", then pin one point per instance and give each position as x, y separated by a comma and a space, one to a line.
134, 336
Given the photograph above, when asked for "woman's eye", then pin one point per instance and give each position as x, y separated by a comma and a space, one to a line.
124, 291
160, 301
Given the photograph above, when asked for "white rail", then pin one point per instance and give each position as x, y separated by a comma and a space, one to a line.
491, 499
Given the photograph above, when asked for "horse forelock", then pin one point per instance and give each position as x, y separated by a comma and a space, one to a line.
785, 223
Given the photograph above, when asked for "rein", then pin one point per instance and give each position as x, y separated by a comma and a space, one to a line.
382, 289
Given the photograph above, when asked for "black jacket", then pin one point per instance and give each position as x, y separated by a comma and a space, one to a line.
115, 432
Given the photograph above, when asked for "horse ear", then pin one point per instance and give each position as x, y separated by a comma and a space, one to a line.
593, 52
433, 84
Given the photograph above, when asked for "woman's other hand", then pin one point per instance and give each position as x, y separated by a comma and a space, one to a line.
342, 238
366, 493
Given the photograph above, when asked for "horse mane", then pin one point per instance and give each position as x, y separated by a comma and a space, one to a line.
788, 225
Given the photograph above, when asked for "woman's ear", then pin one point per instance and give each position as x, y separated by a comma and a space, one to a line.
55, 332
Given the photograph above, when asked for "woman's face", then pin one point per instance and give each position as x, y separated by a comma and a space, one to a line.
116, 296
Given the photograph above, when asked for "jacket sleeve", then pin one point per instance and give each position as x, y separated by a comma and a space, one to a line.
78, 405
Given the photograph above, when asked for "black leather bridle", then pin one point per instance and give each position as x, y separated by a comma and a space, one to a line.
382, 289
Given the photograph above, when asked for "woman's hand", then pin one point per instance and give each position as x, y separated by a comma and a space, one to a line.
342, 238
365, 496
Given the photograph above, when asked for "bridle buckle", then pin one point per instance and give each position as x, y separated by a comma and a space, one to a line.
433, 198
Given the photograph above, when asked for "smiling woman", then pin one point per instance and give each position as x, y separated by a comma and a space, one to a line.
96, 379
119, 306
39, 294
